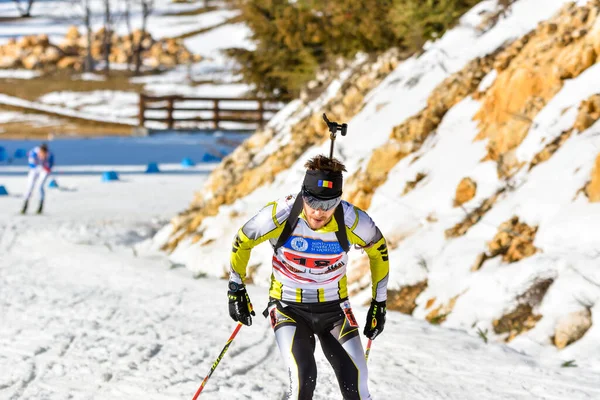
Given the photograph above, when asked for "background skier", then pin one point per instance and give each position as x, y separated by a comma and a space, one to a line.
308, 292
41, 161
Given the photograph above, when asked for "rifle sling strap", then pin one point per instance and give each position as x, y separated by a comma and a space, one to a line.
290, 225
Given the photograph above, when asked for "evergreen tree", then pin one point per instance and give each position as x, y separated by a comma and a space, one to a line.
293, 38
288, 46
416, 21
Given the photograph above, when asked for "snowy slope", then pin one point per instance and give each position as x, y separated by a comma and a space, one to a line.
89, 309
544, 197
54, 17
394, 100
215, 73
88, 312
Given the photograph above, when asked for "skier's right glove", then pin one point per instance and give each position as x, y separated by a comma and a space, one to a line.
240, 307
375, 319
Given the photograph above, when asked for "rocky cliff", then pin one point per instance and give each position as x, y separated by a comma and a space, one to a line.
478, 159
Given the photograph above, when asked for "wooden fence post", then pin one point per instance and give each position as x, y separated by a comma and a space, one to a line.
231, 113
261, 110
170, 106
142, 111
216, 113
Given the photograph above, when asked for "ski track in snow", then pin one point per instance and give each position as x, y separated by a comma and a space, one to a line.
87, 315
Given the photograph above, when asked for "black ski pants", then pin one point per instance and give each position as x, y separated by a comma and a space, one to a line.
296, 325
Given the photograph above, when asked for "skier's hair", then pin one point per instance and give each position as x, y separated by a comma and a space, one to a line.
44, 147
324, 163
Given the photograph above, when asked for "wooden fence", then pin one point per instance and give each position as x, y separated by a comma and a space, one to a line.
256, 112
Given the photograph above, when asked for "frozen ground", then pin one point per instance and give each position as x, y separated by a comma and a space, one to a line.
206, 34
54, 17
547, 197
88, 311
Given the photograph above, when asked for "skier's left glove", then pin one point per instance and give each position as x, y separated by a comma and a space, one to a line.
375, 319
240, 307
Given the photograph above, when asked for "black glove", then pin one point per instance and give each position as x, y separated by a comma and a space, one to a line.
375, 319
240, 307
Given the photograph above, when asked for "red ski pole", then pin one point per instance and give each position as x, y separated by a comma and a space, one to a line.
369, 343
218, 360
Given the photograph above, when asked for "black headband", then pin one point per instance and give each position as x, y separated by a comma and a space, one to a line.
323, 184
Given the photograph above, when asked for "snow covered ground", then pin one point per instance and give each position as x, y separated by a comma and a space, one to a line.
214, 76
546, 197
89, 312
54, 17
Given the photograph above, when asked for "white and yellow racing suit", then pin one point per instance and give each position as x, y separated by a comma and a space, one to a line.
309, 292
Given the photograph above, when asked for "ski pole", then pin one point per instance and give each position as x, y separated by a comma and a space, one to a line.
218, 360
368, 349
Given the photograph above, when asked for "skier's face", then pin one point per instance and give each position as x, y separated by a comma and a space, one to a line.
43, 155
317, 218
